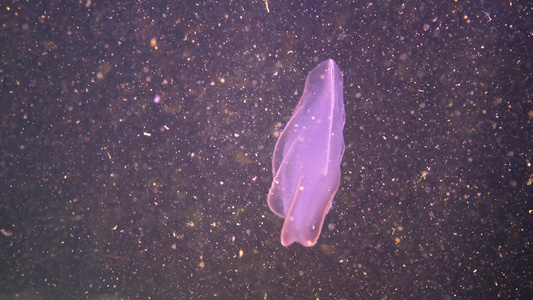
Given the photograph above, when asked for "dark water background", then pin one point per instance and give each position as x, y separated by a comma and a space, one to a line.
105, 194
